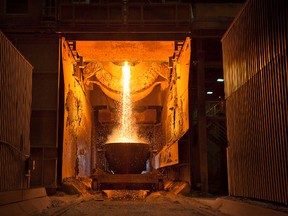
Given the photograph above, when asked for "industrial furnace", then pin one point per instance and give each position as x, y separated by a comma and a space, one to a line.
131, 100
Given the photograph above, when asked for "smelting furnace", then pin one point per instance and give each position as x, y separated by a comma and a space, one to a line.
137, 92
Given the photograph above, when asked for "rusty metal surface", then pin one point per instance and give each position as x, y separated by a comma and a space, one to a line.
76, 155
147, 181
168, 156
127, 158
256, 88
15, 110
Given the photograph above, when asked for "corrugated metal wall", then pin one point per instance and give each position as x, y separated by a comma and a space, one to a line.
15, 109
256, 89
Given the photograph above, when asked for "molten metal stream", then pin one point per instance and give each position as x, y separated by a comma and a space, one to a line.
127, 131
127, 126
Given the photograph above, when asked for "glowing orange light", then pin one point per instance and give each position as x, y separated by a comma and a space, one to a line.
126, 121
127, 131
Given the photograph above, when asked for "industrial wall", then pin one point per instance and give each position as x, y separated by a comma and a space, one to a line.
42, 51
175, 118
77, 119
256, 89
29, 25
15, 110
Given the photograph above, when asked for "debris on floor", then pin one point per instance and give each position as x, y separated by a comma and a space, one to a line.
126, 194
80, 186
177, 187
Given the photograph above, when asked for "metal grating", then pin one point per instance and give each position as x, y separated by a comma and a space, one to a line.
256, 89
15, 109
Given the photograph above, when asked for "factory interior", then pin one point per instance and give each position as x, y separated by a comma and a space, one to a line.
144, 95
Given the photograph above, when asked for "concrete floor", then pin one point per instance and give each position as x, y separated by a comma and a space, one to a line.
156, 203
175, 200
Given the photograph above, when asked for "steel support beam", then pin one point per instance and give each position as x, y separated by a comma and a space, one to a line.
202, 136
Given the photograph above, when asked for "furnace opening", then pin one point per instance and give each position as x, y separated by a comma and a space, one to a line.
123, 92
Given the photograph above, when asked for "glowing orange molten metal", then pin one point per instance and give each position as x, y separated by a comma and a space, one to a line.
127, 132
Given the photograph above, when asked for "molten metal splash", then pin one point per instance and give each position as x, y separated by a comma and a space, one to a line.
127, 132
